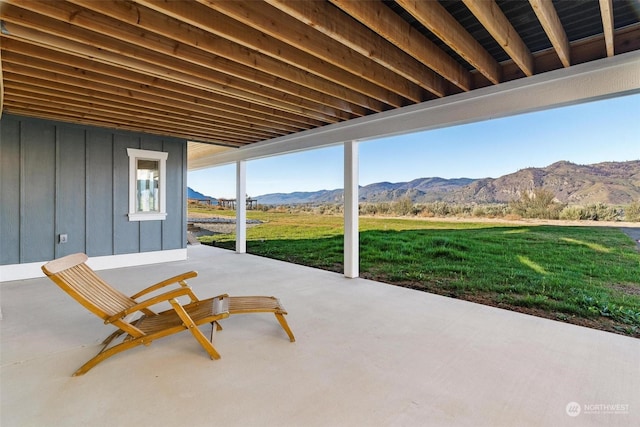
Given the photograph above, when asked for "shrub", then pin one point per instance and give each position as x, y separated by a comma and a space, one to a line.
594, 212
403, 206
572, 213
539, 203
438, 209
600, 212
632, 212
496, 211
479, 211
374, 208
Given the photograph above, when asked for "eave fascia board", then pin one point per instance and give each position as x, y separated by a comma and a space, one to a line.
600, 79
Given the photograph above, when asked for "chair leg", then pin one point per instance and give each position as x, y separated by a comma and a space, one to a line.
105, 354
111, 337
193, 328
285, 326
215, 326
204, 342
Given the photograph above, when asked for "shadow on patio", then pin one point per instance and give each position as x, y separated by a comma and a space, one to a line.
366, 354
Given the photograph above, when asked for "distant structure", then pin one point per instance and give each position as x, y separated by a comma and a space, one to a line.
200, 201
231, 203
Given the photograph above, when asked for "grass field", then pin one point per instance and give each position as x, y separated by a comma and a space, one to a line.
583, 275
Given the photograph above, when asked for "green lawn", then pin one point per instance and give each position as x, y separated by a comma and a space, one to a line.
583, 275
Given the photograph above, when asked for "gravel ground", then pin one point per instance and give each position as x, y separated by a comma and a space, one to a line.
216, 225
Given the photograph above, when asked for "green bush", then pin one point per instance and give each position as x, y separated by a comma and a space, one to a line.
539, 203
438, 209
572, 213
496, 211
479, 211
600, 212
403, 206
594, 212
374, 208
632, 212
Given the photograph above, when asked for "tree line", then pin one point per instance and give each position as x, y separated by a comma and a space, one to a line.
539, 203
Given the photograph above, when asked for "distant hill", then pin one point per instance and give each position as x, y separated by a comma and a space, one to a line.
614, 183
193, 194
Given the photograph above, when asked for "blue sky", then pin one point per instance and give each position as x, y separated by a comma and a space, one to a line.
588, 133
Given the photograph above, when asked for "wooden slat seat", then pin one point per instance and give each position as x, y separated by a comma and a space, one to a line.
200, 312
76, 278
260, 304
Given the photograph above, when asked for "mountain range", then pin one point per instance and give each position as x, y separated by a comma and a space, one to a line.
614, 183
193, 194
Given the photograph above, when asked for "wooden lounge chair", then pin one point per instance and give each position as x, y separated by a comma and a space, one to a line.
76, 278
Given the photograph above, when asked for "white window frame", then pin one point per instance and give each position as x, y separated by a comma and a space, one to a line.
161, 157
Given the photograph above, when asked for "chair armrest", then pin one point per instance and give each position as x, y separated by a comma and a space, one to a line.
175, 279
141, 306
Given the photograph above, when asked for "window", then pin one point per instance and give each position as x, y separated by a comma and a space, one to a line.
147, 188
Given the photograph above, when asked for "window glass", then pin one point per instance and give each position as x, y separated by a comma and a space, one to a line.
148, 186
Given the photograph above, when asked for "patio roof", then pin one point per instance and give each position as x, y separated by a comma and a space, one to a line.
366, 354
234, 73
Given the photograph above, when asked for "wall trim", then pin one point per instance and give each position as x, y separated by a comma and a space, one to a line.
32, 270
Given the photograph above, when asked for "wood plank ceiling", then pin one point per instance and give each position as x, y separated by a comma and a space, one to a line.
234, 73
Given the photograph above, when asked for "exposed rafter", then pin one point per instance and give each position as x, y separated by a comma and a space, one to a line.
550, 21
157, 57
378, 17
436, 18
68, 66
491, 17
375, 80
197, 46
606, 8
235, 73
332, 22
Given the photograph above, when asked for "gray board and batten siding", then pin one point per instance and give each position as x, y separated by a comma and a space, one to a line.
58, 178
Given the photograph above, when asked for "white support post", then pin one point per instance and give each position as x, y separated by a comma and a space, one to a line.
241, 207
351, 233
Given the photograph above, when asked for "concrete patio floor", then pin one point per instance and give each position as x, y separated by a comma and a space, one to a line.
367, 354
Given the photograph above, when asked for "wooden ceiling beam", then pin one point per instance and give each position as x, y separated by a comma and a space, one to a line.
437, 20
268, 20
208, 19
496, 23
606, 10
55, 21
85, 68
59, 113
627, 39
193, 41
38, 68
97, 105
341, 27
550, 21
379, 18
50, 88
79, 112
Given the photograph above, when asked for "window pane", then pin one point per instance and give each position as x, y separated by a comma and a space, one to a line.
148, 177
